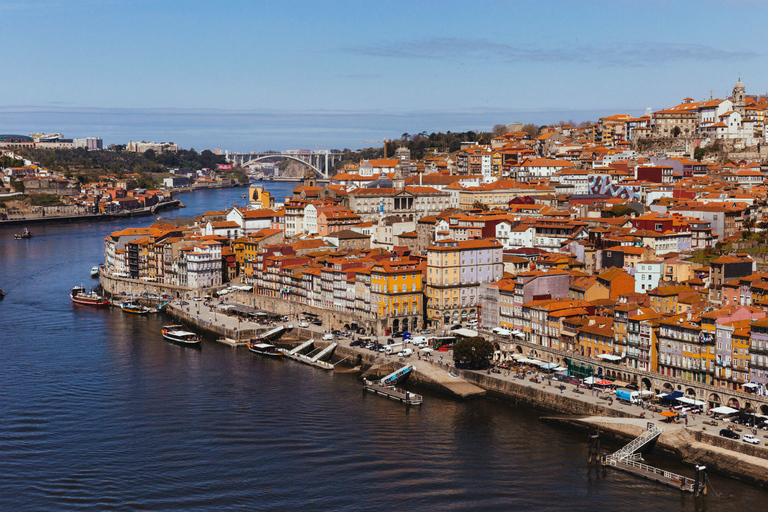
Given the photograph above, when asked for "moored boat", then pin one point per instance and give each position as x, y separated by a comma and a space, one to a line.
79, 296
2, 294
265, 349
179, 334
134, 309
95, 272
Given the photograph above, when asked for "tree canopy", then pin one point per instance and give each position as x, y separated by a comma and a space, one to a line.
473, 353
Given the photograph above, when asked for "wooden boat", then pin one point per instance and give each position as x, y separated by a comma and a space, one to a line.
179, 334
23, 235
79, 296
134, 309
265, 349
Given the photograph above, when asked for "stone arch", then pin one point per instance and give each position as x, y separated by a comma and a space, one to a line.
714, 399
764, 409
395, 325
464, 315
690, 392
405, 324
734, 402
748, 406
676, 131
455, 317
600, 371
668, 387
446, 318
646, 382
519, 349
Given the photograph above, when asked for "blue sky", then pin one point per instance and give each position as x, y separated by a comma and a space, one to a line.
252, 75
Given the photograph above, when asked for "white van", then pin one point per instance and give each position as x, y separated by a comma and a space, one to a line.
328, 337
405, 352
394, 348
418, 340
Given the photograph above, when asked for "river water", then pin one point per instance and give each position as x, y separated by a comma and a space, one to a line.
97, 412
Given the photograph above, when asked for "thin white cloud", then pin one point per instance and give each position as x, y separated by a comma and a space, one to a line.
637, 53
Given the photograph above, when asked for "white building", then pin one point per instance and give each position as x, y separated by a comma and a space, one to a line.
647, 275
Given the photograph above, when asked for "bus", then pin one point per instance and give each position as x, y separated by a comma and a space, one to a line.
442, 343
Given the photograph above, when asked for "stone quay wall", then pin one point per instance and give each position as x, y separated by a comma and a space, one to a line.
511, 391
117, 285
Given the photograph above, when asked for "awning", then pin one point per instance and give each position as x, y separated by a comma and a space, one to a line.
426, 350
590, 380
465, 333
668, 414
525, 360
561, 369
691, 401
549, 366
620, 383
609, 357
518, 356
750, 385
724, 409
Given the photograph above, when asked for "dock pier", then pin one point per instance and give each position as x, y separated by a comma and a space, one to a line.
630, 460
386, 387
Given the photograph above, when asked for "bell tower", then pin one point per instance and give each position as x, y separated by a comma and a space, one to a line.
739, 98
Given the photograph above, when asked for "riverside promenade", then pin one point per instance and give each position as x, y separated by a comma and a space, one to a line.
579, 408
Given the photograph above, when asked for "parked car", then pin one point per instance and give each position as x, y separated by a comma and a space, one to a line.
729, 433
405, 352
454, 327
328, 337
303, 325
749, 438
426, 331
398, 334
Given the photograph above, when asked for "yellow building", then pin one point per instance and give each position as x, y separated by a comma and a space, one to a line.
396, 294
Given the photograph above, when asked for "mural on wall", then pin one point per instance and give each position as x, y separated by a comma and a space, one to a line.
602, 184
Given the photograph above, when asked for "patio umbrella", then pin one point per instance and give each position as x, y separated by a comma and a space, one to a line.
604, 383
668, 414
723, 409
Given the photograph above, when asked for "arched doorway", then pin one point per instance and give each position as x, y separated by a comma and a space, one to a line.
690, 392
463, 315
646, 383
668, 387
405, 324
395, 325
472, 314
455, 317
714, 400
447, 318
734, 403
764, 409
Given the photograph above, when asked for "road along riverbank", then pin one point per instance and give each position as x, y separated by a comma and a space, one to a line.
580, 409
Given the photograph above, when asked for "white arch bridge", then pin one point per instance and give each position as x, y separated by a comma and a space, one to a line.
320, 161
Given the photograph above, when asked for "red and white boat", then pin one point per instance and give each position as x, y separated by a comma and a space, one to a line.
79, 296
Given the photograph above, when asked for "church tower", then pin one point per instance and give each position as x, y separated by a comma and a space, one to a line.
739, 98
310, 179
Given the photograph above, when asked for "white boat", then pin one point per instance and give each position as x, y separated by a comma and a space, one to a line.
265, 349
178, 334
95, 272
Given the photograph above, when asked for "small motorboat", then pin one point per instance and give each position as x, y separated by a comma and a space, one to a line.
265, 349
134, 309
94, 272
23, 235
179, 334
2, 294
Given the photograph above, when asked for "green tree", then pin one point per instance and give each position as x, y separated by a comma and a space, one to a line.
479, 205
473, 352
748, 225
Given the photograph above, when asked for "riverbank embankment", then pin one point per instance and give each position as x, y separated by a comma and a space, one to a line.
41, 218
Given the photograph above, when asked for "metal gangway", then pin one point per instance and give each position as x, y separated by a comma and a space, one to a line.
303, 346
630, 460
638, 443
323, 352
393, 377
272, 334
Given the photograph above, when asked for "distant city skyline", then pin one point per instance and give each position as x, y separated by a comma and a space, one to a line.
265, 75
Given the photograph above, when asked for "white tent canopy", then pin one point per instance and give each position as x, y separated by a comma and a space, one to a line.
590, 380
691, 401
609, 357
724, 409
750, 385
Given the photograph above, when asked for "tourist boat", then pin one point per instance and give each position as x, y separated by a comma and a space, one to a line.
265, 349
79, 296
95, 272
179, 334
2, 294
24, 234
134, 309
